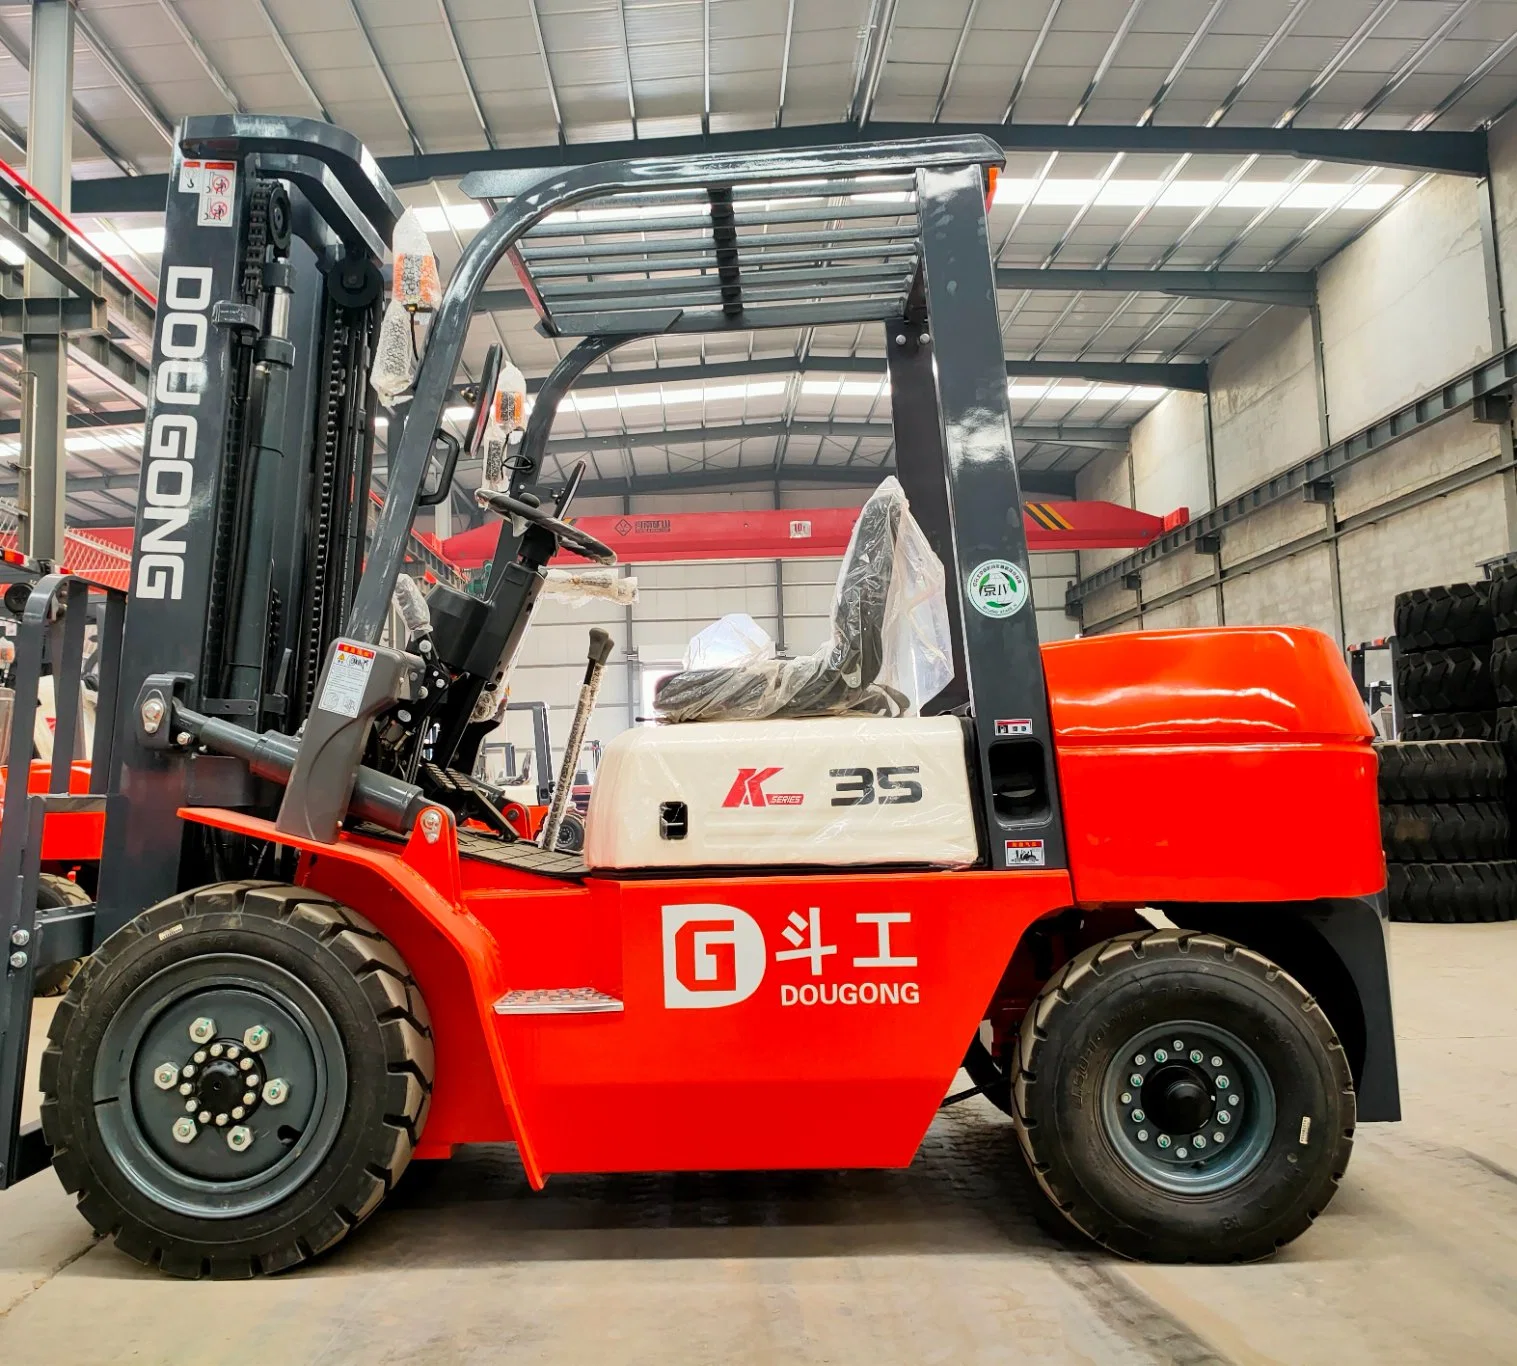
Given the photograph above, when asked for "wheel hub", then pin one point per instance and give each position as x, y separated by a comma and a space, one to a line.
216, 1088
1188, 1106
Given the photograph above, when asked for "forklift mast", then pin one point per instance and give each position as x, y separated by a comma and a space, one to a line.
253, 498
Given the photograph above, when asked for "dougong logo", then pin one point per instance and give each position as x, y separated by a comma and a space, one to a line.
713, 956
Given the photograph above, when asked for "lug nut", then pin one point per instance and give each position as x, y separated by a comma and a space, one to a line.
1142, 1135
189, 1070
166, 1077
185, 1088
1195, 1055
248, 1097
1126, 1098
256, 1039
204, 1116
217, 1050
1223, 1117
1233, 1101
1164, 1140
246, 1064
1136, 1079
1181, 1152
1223, 1083
1137, 1116
202, 1031
238, 1112
185, 1130
1179, 1046
1217, 1137
238, 1138
18, 960
276, 1090
192, 1104
221, 1121
1160, 1055
233, 1052
1199, 1141
1140, 1060
1216, 1062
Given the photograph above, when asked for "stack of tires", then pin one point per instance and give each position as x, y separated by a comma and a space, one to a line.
1444, 813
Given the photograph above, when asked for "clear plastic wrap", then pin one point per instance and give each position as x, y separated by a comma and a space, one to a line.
505, 421
890, 649
411, 603
417, 284
580, 586
734, 641
395, 352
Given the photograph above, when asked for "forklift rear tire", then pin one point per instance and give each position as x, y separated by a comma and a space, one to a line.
571, 834
53, 894
236, 1079
1455, 725
1181, 1098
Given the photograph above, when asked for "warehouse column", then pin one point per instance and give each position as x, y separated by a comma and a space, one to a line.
49, 162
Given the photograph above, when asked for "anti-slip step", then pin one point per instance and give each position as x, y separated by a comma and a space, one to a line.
557, 1001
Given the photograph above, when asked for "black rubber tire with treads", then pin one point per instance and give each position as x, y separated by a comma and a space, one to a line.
1454, 614
1444, 832
1453, 892
1441, 771
355, 975
54, 893
1455, 679
1456, 725
1068, 1040
1503, 592
1504, 668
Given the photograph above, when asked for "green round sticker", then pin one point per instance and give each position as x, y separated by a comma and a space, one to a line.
997, 588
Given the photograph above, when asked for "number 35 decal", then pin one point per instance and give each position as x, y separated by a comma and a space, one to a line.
858, 786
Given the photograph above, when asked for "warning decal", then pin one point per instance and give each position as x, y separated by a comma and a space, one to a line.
1020, 725
218, 191
348, 676
1024, 853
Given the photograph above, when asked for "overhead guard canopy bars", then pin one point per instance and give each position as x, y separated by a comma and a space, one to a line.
526, 222
893, 233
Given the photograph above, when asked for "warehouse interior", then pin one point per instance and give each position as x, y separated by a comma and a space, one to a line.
1253, 265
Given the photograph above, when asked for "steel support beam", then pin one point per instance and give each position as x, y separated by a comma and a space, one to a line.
1050, 433
80, 422
1453, 153
1046, 484
1498, 375
1292, 288
44, 394
1173, 375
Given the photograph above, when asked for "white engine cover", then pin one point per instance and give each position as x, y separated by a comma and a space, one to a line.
844, 790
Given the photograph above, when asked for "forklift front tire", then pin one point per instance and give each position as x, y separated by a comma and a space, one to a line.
236, 1079
53, 894
1181, 1098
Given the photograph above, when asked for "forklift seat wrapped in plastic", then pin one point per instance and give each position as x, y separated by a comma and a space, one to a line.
889, 650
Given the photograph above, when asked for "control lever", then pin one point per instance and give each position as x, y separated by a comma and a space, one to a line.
599, 652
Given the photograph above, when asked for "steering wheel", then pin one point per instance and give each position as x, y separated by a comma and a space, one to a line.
488, 378
570, 537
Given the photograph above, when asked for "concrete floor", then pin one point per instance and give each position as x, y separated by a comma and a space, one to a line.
1416, 1261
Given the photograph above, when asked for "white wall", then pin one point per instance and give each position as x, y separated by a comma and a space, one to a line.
1402, 309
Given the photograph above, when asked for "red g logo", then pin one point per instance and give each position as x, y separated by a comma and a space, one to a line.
713, 956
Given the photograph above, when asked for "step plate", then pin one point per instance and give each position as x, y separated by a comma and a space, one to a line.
557, 1001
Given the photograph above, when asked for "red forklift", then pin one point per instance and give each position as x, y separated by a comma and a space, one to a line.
1132, 883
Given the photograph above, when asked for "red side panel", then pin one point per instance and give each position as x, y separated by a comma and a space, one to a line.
767, 1022
1228, 765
